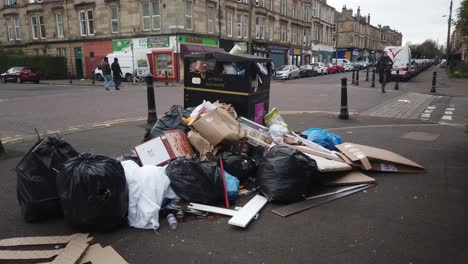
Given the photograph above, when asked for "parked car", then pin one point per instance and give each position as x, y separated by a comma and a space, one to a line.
287, 72
319, 68
346, 64
330, 68
20, 75
306, 71
339, 68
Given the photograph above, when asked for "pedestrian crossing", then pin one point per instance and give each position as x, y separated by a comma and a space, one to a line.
439, 113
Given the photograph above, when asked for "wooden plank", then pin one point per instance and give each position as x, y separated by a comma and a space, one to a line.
212, 209
36, 255
243, 217
295, 208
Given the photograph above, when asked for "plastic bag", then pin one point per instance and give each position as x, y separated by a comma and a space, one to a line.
36, 175
93, 192
238, 165
232, 185
284, 174
274, 118
196, 181
147, 186
169, 121
323, 138
277, 132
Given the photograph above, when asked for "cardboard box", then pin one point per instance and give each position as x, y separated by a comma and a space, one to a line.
218, 126
376, 159
161, 150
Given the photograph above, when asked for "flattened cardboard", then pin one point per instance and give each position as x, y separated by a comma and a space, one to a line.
30, 255
346, 178
74, 250
326, 165
379, 159
217, 126
309, 150
199, 143
35, 241
96, 254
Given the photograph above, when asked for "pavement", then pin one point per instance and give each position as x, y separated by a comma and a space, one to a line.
406, 218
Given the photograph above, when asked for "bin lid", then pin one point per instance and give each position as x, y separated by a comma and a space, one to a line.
228, 57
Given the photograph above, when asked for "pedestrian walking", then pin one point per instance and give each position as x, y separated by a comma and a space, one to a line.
384, 66
117, 73
107, 73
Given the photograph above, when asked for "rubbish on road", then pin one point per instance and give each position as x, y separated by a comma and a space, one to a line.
171, 120
206, 150
346, 178
36, 176
159, 151
232, 185
172, 221
148, 186
323, 137
284, 174
240, 218
196, 181
298, 207
327, 165
93, 192
274, 118
370, 158
75, 248
96, 254
223, 176
238, 165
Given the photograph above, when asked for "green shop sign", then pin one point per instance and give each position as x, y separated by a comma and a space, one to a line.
199, 41
158, 42
120, 44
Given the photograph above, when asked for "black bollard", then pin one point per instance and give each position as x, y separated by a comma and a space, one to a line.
354, 76
367, 74
70, 76
357, 78
434, 80
373, 79
166, 77
344, 99
2, 149
152, 117
397, 80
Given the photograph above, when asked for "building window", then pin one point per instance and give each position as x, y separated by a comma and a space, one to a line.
62, 52
59, 21
270, 29
13, 29
385, 37
10, 2
229, 23
42, 29
245, 31
188, 14
114, 18
211, 21
271, 4
17, 28
239, 26
283, 7
283, 34
38, 27
257, 27
34, 27
294, 9
151, 15
294, 34
304, 38
87, 22
262, 28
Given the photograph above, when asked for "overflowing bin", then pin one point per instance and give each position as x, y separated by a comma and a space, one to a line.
240, 80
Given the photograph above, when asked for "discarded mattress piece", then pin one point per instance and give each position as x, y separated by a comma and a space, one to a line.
147, 187
370, 158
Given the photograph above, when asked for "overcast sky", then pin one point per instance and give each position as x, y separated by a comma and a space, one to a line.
417, 20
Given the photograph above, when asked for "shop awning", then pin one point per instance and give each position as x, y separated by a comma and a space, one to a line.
193, 49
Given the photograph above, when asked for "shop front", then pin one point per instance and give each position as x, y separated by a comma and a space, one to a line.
295, 56
163, 58
278, 55
260, 49
307, 57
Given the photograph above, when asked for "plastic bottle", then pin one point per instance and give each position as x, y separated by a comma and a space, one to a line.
180, 216
171, 220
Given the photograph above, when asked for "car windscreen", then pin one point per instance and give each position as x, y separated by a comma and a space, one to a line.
314, 64
283, 68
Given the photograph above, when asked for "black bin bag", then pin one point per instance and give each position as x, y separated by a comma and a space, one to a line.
93, 192
36, 175
171, 120
238, 165
285, 174
196, 181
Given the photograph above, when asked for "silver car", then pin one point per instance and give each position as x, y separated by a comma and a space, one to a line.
287, 72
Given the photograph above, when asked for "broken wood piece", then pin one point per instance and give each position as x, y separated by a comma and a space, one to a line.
212, 209
243, 217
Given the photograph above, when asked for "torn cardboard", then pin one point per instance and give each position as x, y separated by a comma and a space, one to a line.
376, 159
218, 126
326, 165
345, 178
202, 145
96, 254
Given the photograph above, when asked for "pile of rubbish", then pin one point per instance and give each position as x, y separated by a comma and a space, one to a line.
194, 163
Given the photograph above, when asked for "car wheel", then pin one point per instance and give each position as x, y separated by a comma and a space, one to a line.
99, 77
3, 80
128, 77
289, 77
18, 80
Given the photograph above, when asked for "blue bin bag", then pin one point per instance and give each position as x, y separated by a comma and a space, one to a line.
323, 138
232, 185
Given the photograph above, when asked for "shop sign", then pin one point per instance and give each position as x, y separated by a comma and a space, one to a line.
120, 44
348, 55
158, 42
297, 51
199, 41
123, 45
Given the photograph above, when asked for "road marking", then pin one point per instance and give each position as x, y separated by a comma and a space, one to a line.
448, 112
450, 109
447, 117
426, 116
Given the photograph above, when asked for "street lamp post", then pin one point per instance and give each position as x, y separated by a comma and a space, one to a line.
448, 34
336, 44
133, 61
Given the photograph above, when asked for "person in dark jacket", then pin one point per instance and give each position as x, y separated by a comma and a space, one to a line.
106, 72
384, 66
117, 73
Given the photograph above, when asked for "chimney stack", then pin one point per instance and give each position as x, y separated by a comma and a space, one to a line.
368, 18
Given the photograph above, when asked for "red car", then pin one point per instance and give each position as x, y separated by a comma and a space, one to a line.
331, 68
339, 68
20, 75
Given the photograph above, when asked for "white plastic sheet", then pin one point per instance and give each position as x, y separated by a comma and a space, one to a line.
148, 186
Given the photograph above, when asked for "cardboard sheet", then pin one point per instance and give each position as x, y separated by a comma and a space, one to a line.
346, 178
377, 159
74, 250
326, 165
217, 126
31, 255
96, 254
35, 241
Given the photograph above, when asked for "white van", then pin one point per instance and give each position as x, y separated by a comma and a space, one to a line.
346, 64
140, 64
401, 57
